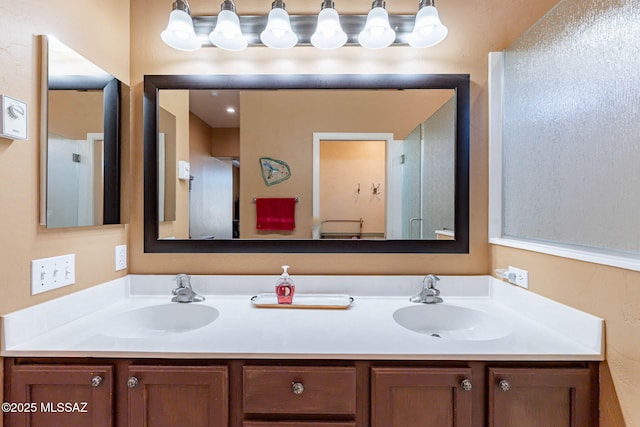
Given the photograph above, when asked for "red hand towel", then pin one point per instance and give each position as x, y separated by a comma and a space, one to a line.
276, 213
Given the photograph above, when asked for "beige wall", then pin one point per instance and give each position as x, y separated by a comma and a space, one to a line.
73, 114
225, 143
200, 135
607, 292
176, 102
23, 239
167, 130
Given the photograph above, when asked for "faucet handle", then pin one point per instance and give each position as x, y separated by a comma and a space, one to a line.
430, 281
184, 292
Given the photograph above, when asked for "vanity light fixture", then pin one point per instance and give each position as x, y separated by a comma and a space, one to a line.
278, 34
428, 30
179, 33
227, 34
327, 30
377, 33
329, 33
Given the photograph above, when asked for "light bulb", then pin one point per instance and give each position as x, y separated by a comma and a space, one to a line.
377, 32
428, 30
179, 33
227, 34
328, 34
278, 33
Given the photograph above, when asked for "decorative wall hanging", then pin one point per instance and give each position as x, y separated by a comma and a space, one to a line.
274, 171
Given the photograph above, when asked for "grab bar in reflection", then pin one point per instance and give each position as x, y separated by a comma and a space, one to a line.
358, 235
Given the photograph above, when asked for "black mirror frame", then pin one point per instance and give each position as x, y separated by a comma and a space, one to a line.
111, 168
154, 83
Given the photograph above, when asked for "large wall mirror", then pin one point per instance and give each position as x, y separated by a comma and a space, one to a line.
307, 163
80, 141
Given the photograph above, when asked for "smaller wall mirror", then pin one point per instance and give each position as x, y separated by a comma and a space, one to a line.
80, 141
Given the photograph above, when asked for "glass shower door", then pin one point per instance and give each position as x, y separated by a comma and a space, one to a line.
411, 185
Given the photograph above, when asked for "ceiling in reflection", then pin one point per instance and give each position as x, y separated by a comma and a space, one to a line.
211, 106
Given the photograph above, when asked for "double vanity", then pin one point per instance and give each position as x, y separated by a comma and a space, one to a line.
489, 354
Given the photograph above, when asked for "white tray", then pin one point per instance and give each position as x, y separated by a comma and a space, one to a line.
309, 301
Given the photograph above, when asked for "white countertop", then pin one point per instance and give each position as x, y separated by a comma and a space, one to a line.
82, 324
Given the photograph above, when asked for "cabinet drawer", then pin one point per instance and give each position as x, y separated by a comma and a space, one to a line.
299, 390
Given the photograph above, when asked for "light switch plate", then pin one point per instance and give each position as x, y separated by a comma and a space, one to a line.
183, 170
13, 120
52, 273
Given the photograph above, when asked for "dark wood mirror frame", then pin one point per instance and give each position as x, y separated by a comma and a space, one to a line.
154, 83
111, 168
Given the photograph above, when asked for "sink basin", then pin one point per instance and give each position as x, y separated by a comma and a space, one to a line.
451, 322
157, 320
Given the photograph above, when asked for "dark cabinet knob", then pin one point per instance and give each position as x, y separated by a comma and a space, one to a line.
297, 388
96, 381
132, 382
504, 385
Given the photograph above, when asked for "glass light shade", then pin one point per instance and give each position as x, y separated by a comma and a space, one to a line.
329, 34
278, 33
377, 33
428, 30
179, 33
227, 34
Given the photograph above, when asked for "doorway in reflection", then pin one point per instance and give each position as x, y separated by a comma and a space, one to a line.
75, 186
75, 170
352, 189
214, 156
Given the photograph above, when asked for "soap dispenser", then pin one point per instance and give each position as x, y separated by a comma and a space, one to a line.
285, 287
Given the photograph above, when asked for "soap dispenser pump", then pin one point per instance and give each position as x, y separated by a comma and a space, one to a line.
285, 287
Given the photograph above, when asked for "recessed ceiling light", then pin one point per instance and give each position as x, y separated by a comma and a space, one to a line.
231, 110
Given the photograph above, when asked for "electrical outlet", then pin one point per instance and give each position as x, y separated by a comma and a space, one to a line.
518, 277
121, 257
52, 273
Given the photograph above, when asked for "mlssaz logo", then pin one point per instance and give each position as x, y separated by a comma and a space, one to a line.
68, 407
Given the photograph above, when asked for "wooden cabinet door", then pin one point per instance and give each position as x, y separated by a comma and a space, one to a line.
420, 397
61, 396
534, 397
178, 396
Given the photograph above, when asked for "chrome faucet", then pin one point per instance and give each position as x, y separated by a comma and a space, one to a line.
184, 293
429, 293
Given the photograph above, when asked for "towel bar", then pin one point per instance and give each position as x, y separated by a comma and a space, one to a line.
255, 198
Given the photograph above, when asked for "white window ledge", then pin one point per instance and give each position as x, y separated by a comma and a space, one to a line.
605, 258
